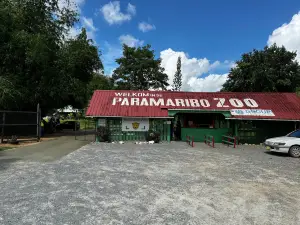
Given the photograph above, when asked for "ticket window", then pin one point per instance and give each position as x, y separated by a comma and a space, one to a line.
202, 120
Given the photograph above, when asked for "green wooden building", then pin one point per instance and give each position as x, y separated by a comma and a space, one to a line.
252, 117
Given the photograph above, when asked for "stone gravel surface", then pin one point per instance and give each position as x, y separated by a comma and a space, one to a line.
153, 184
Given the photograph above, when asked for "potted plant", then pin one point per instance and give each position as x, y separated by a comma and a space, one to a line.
103, 134
153, 136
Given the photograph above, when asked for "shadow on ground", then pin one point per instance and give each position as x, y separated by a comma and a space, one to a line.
46, 151
6, 162
278, 154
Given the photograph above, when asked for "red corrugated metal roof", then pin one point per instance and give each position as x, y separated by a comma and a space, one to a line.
284, 106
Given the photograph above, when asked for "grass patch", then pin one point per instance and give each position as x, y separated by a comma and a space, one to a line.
84, 124
5, 148
87, 124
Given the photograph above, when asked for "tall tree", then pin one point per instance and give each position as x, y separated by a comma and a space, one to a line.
139, 70
38, 63
78, 59
273, 69
100, 82
177, 81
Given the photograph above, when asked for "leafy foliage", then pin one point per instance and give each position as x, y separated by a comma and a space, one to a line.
272, 69
100, 82
103, 134
39, 63
153, 136
8, 94
139, 70
177, 81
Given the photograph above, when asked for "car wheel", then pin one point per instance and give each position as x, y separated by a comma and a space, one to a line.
295, 151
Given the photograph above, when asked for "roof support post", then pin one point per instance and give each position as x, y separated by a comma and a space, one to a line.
236, 128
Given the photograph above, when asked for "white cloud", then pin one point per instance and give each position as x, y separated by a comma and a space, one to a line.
71, 4
113, 15
211, 83
88, 23
73, 32
110, 54
130, 41
84, 21
288, 35
131, 9
192, 69
145, 27
215, 64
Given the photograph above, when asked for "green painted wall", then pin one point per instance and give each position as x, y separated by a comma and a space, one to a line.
199, 133
255, 132
116, 134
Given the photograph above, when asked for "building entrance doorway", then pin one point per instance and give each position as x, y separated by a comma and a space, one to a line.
198, 124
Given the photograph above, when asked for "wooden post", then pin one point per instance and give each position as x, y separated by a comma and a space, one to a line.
95, 127
193, 141
85, 129
169, 132
75, 130
234, 142
236, 128
38, 122
3, 123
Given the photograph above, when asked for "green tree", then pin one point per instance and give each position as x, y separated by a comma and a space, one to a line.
100, 82
38, 61
8, 93
177, 81
273, 69
139, 70
78, 59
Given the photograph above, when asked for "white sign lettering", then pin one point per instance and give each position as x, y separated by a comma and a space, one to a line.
203, 103
251, 112
221, 102
250, 103
129, 94
236, 102
135, 124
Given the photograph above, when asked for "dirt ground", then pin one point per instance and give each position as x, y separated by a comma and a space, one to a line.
26, 143
152, 184
49, 149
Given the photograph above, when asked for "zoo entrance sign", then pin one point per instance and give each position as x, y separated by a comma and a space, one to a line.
154, 99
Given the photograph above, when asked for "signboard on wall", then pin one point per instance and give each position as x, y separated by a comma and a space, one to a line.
135, 124
251, 112
154, 100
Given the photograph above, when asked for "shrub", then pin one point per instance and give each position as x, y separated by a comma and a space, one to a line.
13, 140
153, 136
103, 134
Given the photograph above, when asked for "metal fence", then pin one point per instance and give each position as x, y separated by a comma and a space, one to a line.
87, 130
24, 125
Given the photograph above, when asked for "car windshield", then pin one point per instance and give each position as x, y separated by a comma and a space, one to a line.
295, 134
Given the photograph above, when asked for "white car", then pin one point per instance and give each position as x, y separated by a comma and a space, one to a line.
287, 144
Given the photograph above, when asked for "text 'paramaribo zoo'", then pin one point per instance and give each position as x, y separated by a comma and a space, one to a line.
205, 103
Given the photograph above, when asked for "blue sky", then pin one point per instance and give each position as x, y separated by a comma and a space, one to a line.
209, 35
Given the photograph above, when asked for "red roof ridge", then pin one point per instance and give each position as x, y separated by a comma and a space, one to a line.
205, 92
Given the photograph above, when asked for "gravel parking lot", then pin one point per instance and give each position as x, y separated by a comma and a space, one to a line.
153, 184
